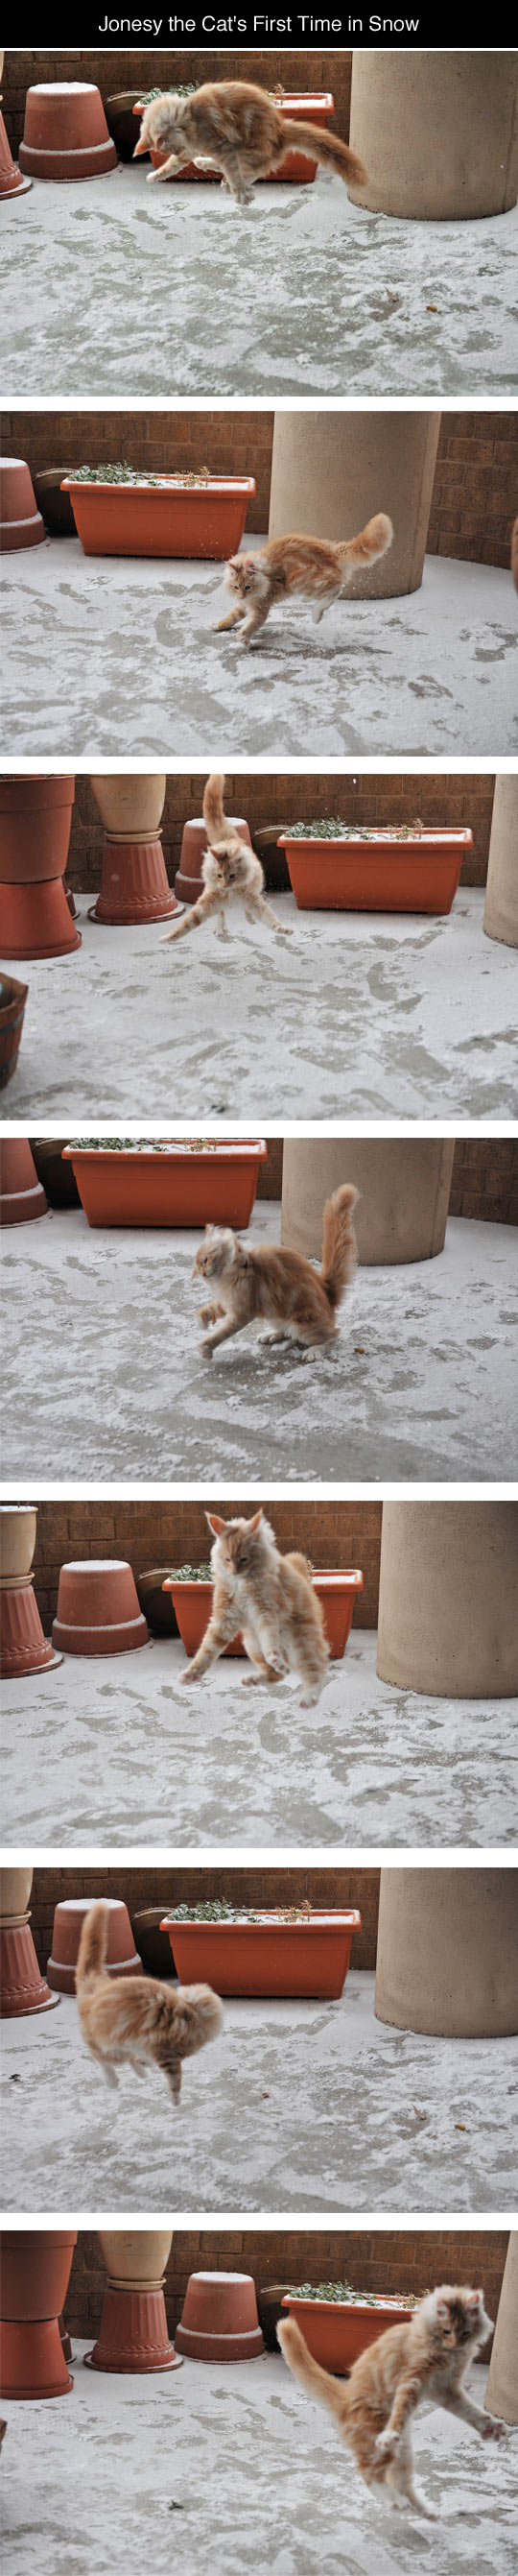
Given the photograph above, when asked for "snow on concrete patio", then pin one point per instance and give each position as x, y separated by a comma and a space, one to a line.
358, 1013
297, 2106
113, 1747
106, 656
104, 1376
231, 2468
303, 293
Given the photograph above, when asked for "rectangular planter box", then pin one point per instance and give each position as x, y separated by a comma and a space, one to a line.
167, 518
267, 1957
312, 109
337, 2335
336, 1591
169, 1189
382, 875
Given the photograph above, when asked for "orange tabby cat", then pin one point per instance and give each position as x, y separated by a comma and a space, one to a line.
424, 2360
317, 568
267, 1598
138, 2019
233, 126
229, 869
298, 1302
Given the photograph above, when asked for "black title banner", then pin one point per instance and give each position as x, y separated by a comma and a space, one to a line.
432, 26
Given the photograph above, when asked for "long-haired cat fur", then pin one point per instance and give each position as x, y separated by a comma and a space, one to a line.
426, 2359
138, 2021
232, 126
298, 1303
269, 1600
230, 870
316, 568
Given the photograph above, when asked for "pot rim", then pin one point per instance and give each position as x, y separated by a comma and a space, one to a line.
255, 1146
347, 1920
439, 835
219, 484
347, 2307
350, 1579
290, 98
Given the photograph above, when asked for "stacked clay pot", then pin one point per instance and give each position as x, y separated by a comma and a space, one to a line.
65, 132
134, 885
23, 1647
21, 524
188, 882
219, 2319
22, 1988
35, 2268
122, 1959
133, 2332
12, 183
21, 1194
35, 819
98, 1611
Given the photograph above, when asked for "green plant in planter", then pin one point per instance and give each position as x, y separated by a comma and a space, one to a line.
217, 1910
340, 2294
191, 1574
143, 1144
134, 474
330, 827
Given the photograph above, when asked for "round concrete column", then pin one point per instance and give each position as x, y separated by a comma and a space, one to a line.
448, 1952
405, 1189
448, 1608
501, 912
437, 132
502, 2386
331, 471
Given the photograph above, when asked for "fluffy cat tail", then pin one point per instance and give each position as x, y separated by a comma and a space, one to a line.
339, 1248
373, 541
327, 149
221, 835
93, 1944
300, 1563
319, 2383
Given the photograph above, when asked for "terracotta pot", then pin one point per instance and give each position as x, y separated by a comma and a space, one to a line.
133, 2333
130, 807
157, 1605
268, 1957
21, 523
15, 1889
377, 876
122, 1957
136, 2257
336, 1590
13, 998
336, 2336
65, 133
154, 1945
22, 1988
98, 1611
134, 886
17, 1541
168, 518
177, 1188
219, 2318
56, 508
35, 2271
23, 1647
65, 2342
21, 1195
35, 921
12, 184
32, 2361
35, 820
188, 882
120, 111
57, 1176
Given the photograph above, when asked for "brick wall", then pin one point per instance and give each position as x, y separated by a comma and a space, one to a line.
281, 799
177, 1886
475, 489
135, 69
396, 2259
485, 1179
173, 1533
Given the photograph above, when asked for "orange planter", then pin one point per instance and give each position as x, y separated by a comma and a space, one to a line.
65, 132
336, 1591
188, 882
382, 875
268, 1957
337, 2335
21, 1194
176, 1188
165, 518
219, 2319
312, 108
21, 524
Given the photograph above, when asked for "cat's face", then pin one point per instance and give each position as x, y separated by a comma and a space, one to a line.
161, 118
236, 1541
460, 2317
215, 1254
243, 576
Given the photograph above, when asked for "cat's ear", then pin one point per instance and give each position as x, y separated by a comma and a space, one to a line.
255, 1524
209, 1229
475, 2303
214, 1523
442, 2312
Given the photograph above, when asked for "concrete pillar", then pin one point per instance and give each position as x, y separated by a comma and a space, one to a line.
437, 132
502, 2386
448, 1952
501, 912
331, 471
448, 1607
405, 1189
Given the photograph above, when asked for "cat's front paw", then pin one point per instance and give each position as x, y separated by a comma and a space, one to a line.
387, 2443
494, 2430
206, 1347
190, 1675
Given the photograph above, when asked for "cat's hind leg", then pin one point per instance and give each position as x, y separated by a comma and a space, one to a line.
255, 617
257, 909
400, 2477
